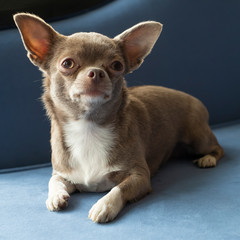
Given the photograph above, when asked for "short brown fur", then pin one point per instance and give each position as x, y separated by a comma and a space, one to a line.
148, 121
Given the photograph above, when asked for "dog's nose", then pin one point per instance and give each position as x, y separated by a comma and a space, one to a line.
96, 75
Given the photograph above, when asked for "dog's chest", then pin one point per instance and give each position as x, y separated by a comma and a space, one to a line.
89, 146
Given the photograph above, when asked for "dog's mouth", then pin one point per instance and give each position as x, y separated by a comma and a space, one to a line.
95, 93
91, 95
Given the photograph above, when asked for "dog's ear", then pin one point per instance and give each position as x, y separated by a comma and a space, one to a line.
138, 41
38, 37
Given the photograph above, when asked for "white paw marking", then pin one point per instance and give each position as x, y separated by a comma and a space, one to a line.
107, 208
57, 201
206, 161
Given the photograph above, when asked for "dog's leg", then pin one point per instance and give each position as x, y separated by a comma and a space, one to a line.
58, 194
131, 189
205, 143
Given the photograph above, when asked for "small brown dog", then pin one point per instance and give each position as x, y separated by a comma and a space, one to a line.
104, 135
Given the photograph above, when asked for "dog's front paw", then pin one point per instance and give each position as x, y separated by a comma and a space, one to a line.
206, 161
103, 211
58, 201
107, 208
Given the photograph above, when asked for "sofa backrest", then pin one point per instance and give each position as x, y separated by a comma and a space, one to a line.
198, 52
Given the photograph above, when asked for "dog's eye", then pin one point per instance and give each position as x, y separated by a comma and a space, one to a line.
68, 63
117, 66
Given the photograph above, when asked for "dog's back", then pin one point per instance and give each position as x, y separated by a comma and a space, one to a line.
180, 117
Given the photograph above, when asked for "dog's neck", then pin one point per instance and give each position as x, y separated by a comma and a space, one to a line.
102, 114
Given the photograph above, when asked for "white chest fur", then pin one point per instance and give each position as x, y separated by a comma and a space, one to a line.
89, 145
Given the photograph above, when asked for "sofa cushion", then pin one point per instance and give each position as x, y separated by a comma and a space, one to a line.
186, 203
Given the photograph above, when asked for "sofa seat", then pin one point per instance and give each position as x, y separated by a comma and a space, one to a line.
186, 203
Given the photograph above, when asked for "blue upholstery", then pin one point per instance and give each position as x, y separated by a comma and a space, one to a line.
199, 53
186, 203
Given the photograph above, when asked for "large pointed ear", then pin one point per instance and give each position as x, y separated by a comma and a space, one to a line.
138, 41
38, 37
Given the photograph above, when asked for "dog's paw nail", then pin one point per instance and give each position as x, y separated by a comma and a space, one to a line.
206, 161
57, 201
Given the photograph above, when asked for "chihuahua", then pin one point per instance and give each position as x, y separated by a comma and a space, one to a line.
105, 136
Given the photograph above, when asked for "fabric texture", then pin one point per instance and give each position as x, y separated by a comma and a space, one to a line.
186, 203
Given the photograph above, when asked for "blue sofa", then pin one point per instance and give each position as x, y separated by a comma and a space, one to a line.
198, 52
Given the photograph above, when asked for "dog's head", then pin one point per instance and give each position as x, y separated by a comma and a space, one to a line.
85, 68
